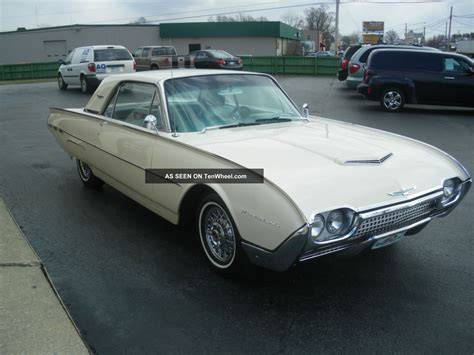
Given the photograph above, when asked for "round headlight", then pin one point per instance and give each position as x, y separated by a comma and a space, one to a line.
448, 188
335, 222
317, 226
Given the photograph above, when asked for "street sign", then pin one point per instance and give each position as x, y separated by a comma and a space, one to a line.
373, 26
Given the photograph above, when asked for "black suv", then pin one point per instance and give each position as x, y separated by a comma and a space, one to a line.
395, 77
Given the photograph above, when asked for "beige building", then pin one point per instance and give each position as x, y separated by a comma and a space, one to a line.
239, 38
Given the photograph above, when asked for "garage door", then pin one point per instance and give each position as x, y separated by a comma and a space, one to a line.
55, 50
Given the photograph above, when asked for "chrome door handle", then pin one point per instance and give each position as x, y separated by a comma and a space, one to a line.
449, 77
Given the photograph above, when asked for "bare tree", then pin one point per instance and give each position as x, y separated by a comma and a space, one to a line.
391, 37
435, 41
139, 21
320, 19
350, 38
293, 20
238, 18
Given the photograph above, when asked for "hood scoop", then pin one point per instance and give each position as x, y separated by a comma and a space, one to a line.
367, 161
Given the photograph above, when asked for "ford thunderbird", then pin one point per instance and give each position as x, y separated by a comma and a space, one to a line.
320, 186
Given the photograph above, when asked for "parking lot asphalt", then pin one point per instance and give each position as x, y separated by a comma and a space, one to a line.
136, 284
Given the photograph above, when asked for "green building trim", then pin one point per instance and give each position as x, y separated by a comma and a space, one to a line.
228, 29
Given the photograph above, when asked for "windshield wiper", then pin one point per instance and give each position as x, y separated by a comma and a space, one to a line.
274, 119
239, 124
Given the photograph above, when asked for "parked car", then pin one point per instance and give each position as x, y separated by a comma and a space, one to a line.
326, 186
160, 57
348, 53
359, 59
320, 54
87, 66
216, 59
395, 77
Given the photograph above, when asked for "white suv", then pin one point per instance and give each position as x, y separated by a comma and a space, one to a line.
87, 66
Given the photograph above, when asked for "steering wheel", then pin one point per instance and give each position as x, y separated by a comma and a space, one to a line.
137, 116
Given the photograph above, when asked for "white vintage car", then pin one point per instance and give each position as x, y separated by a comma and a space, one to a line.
327, 186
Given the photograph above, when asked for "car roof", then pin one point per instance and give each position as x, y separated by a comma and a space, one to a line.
103, 46
156, 76
363, 49
411, 51
153, 77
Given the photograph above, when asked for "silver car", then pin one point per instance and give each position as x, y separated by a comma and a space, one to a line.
359, 61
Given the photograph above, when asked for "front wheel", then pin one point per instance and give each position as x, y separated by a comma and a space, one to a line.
61, 84
87, 176
392, 100
219, 237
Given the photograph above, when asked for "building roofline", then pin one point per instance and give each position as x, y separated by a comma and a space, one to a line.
80, 26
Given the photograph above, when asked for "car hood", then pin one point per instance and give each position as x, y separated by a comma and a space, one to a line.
324, 164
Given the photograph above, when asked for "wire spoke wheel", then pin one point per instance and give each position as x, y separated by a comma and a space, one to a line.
84, 171
217, 235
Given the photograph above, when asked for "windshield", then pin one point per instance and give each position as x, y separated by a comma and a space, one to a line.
220, 101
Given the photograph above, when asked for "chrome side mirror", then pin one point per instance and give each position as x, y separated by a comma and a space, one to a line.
150, 122
305, 110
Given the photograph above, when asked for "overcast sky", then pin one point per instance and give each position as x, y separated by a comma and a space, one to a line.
41, 13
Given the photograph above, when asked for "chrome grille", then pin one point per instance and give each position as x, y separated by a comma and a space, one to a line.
387, 222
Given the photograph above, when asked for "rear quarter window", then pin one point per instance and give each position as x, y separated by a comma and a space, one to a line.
350, 51
111, 54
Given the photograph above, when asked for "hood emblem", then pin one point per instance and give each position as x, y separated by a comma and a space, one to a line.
403, 191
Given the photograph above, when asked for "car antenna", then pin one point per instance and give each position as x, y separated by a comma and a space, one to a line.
175, 133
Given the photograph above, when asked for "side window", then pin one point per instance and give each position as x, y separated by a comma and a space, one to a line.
454, 65
201, 55
138, 52
69, 57
145, 52
132, 103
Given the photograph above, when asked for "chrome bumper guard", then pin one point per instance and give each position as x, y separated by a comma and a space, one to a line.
409, 217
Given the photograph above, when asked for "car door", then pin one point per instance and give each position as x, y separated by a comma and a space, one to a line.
128, 144
66, 70
457, 81
76, 65
198, 59
424, 70
145, 58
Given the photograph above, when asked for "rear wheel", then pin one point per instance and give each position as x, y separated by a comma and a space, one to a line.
87, 176
85, 87
219, 237
62, 85
392, 100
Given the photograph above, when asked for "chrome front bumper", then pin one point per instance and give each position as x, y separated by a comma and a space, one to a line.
409, 217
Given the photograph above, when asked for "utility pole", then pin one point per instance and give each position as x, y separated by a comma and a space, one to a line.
337, 27
446, 36
449, 32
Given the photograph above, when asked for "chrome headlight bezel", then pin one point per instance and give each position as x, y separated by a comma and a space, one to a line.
451, 191
321, 225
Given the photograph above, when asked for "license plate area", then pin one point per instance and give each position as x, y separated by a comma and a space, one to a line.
389, 240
